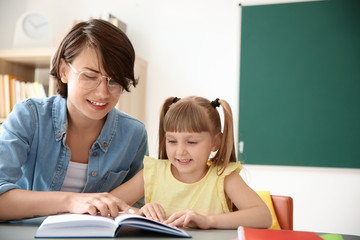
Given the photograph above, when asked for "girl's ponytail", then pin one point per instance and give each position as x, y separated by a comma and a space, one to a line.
165, 107
226, 152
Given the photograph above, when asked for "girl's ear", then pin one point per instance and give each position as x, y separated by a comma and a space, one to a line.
216, 142
63, 71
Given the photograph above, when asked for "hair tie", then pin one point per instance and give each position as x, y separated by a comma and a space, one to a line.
175, 99
215, 103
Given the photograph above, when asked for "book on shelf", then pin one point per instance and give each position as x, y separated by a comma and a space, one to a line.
13, 90
85, 225
245, 233
7, 93
2, 97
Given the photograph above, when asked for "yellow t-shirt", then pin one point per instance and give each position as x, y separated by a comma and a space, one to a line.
206, 196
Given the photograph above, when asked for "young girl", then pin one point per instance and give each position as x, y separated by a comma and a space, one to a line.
187, 188
66, 152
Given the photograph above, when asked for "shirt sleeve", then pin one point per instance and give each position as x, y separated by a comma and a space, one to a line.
231, 167
16, 135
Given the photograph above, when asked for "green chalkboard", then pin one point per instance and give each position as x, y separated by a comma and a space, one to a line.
299, 99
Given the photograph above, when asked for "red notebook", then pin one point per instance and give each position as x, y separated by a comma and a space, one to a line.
245, 233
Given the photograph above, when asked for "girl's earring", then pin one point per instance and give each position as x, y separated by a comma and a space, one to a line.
212, 156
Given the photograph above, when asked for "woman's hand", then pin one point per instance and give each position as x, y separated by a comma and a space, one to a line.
153, 211
104, 204
189, 218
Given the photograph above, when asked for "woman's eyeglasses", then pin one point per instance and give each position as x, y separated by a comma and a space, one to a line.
90, 80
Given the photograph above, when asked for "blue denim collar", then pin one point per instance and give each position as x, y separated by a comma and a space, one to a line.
60, 122
108, 131
59, 117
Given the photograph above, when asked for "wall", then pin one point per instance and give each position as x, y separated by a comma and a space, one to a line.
192, 48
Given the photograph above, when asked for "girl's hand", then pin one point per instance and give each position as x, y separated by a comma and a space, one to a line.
104, 204
189, 218
154, 211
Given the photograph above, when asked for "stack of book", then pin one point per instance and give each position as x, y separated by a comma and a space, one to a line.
13, 90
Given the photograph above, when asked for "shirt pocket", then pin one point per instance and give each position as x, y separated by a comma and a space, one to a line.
113, 180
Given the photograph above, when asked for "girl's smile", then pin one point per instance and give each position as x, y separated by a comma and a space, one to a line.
183, 161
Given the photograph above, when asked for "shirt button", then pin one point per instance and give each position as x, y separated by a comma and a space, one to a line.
105, 145
93, 174
58, 134
95, 154
97, 145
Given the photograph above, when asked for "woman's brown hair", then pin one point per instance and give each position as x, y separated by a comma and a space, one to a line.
116, 52
198, 114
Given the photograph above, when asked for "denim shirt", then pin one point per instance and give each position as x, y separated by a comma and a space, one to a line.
34, 154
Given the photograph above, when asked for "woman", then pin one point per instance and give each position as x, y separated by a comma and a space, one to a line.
64, 153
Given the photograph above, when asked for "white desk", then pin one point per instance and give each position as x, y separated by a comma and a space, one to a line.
25, 230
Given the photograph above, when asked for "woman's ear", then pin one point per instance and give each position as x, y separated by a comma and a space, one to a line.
63, 71
216, 142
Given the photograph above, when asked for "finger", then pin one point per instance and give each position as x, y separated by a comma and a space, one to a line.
113, 208
173, 217
173, 220
187, 219
137, 211
91, 209
114, 204
109, 204
179, 222
152, 212
122, 206
102, 208
131, 210
145, 211
155, 213
160, 212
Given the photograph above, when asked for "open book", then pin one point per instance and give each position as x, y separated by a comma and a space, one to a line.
84, 225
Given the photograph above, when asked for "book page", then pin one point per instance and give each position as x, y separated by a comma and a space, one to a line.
76, 225
137, 221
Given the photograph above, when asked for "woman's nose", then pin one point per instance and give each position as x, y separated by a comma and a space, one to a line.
103, 89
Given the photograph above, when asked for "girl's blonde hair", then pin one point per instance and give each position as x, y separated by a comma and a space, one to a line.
198, 114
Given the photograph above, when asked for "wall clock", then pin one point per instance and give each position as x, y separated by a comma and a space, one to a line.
32, 30
36, 26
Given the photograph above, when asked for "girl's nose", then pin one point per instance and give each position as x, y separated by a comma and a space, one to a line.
180, 150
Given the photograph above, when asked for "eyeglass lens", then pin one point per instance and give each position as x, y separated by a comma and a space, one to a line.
91, 80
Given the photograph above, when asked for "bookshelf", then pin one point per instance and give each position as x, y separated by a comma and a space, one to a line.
23, 64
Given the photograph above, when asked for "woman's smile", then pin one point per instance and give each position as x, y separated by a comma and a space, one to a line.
97, 103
